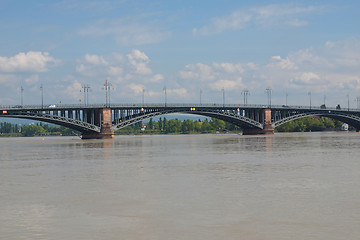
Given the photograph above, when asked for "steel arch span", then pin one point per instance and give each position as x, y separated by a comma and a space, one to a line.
346, 117
74, 124
231, 116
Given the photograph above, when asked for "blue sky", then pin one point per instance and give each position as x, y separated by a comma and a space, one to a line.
292, 47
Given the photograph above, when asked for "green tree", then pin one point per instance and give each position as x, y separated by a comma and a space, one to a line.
164, 124
205, 126
173, 126
151, 124
32, 130
160, 124
329, 124
197, 126
187, 126
300, 127
217, 124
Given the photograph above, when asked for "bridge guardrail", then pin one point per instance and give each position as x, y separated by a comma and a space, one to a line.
160, 105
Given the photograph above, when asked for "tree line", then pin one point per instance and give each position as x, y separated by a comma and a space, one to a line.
308, 124
39, 129
172, 126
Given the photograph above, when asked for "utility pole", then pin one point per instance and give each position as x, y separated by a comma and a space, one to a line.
358, 102
309, 93
165, 95
42, 96
86, 94
268, 91
223, 92
107, 87
22, 96
245, 92
143, 96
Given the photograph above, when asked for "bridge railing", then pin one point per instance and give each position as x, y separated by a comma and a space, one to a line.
168, 105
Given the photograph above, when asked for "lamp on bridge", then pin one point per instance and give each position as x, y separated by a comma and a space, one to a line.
165, 94
268, 91
22, 95
107, 87
86, 94
223, 92
245, 92
42, 96
143, 95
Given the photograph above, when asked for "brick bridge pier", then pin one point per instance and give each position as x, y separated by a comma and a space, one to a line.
106, 130
268, 128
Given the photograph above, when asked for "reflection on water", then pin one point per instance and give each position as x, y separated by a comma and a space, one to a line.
286, 186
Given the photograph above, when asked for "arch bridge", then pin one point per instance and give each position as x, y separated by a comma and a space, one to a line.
100, 121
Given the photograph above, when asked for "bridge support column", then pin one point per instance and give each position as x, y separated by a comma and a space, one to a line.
268, 129
106, 130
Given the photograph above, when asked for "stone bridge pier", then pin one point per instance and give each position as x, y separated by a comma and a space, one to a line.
268, 128
106, 130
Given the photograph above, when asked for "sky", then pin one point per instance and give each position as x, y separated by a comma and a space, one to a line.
194, 48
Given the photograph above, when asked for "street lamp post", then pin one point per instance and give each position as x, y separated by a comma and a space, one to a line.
223, 92
348, 98
245, 92
165, 95
200, 95
286, 98
107, 87
86, 94
42, 96
143, 96
268, 91
358, 102
22, 96
309, 93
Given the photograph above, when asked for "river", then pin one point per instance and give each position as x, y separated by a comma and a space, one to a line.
285, 186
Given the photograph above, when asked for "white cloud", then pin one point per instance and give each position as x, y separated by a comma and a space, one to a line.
270, 15
177, 91
129, 73
226, 85
28, 62
73, 90
198, 71
308, 78
136, 88
157, 78
215, 76
234, 21
115, 71
139, 61
95, 60
283, 63
32, 79
251, 66
156, 94
128, 31
229, 67
333, 67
